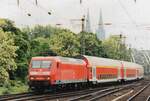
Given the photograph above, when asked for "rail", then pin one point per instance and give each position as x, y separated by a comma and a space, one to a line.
139, 92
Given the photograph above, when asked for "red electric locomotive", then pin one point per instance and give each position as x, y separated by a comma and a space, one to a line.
54, 72
45, 72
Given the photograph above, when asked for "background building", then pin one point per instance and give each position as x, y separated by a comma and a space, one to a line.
100, 32
87, 23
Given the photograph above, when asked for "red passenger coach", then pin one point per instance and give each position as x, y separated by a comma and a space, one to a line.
103, 70
132, 71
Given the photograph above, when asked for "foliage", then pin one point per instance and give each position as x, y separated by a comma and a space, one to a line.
21, 40
7, 55
41, 31
3, 76
91, 44
64, 43
40, 46
14, 87
7, 26
115, 49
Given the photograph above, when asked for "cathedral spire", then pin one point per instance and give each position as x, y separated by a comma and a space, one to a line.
100, 31
87, 23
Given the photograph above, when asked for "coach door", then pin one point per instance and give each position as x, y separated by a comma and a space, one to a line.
94, 73
122, 70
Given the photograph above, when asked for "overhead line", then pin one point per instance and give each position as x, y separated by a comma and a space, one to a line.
39, 6
127, 13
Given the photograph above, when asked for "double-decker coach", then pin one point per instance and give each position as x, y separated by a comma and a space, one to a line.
102, 70
132, 71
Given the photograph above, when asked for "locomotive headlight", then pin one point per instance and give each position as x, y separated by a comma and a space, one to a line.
32, 78
45, 73
33, 73
39, 73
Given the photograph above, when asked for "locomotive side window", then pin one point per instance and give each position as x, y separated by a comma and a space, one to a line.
41, 64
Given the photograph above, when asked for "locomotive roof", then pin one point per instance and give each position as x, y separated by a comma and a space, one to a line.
42, 58
70, 60
61, 59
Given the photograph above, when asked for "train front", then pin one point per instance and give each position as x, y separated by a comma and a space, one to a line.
39, 73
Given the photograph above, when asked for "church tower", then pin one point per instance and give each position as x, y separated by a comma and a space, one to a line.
100, 32
87, 23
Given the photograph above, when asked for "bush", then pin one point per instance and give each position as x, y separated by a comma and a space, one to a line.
13, 87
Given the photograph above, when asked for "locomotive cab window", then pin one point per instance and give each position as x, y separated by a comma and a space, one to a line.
41, 64
36, 64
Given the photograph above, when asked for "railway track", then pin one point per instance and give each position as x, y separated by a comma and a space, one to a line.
142, 95
86, 94
134, 93
14, 96
69, 94
100, 93
45, 96
90, 96
148, 98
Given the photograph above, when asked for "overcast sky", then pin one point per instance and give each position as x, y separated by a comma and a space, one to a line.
127, 17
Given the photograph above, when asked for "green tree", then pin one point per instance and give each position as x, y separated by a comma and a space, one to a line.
40, 46
116, 49
65, 43
21, 40
7, 55
41, 31
8, 26
91, 45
